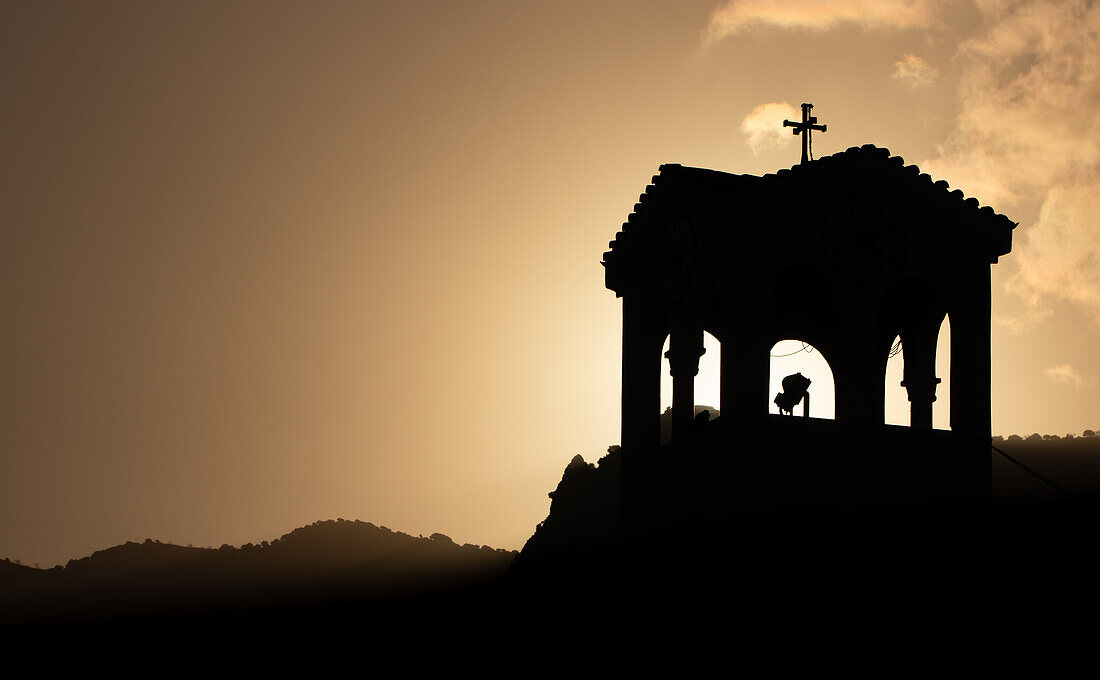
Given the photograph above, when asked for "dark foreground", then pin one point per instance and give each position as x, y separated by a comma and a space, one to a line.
866, 573
933, 580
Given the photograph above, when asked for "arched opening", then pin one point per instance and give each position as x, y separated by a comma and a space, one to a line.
897, 401
666, 375
941, 408
795, 356
707, 383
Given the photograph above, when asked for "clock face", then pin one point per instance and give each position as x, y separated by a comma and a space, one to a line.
675, 257
864, 240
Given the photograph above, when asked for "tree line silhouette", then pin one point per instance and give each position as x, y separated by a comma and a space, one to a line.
328, 561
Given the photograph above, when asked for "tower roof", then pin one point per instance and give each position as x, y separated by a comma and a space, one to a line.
727, 195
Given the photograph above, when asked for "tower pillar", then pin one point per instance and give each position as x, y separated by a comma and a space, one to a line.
685, 349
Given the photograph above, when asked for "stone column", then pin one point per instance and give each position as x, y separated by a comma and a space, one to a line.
859, 375
970, 383
685, 348
643, 336
970, 358
744, 381
919, 346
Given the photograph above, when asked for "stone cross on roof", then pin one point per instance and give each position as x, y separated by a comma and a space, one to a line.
804, 128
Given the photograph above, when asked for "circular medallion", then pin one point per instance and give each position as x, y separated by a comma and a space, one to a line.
675, 256
864, 240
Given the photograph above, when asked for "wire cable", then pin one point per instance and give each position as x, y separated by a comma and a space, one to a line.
808, 349
1035, 474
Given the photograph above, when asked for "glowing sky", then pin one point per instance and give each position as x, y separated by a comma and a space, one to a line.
265, 263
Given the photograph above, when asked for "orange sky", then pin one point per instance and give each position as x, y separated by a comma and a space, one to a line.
265, 263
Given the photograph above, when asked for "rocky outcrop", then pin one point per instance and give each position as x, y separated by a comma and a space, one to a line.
584, 511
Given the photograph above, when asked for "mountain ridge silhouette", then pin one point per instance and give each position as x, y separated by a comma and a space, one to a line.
323, 562
343, 570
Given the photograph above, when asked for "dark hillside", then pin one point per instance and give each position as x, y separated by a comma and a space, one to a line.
1072, 462
11, 571
325, 562
1029, 532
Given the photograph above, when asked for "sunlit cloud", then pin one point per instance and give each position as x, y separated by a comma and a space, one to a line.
914, 71
737, 16
1059, 256
1065, 374
1031, 318
1028, 129
763, 127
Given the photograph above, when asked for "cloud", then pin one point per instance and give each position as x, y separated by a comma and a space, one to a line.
1060, 255
914, 71
1065, 374
764, 126
737, 16
1028, 130
1032, 317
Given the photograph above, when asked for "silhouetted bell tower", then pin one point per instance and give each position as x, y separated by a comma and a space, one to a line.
846, 253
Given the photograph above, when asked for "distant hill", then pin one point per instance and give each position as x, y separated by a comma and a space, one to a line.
1072, 462
334, 560
666, 420
10, 570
